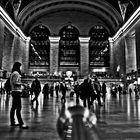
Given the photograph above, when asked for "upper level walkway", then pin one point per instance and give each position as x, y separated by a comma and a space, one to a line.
118, 119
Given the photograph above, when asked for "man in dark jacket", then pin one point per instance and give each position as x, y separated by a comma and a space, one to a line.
46, 91
63, 89
86, 91
35, 88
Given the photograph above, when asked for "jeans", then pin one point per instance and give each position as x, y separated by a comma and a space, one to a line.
16, 107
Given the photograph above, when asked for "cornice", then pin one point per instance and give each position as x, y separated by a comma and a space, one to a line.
11, 25
128, 26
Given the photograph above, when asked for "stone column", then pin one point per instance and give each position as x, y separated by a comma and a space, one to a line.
130, 53
111, 44
121, 57
54, 53
84, 55
25, 58
1, 41
17, 51
138, 49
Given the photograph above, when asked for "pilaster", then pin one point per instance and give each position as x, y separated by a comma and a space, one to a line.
130, 54
1, 42
25, 55
111, 44
138, 49
54, 53
84, 55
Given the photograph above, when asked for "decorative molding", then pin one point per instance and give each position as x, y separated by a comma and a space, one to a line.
128, 26
54, 39
11, 25
84, 39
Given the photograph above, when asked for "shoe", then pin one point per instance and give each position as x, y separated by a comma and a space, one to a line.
15, 124
24, 126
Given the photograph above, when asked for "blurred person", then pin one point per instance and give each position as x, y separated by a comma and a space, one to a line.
120, 90
93, 93
52, 89
57, 89
86, 91
136, 90
98, 90
63, 89
45, 90
130, 91
104, 91
16, 92
77, 91
36, 89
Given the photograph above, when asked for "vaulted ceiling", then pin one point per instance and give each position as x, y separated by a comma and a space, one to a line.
106, 11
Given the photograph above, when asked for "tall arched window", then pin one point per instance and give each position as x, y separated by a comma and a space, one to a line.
69, 46
39, 46
98, 47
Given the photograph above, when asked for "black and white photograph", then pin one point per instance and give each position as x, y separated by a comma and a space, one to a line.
69, 70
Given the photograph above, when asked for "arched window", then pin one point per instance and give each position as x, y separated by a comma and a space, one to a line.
69, 46
39, 46
98, 47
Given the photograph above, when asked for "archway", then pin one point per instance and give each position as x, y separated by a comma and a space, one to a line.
69, 46
40, 46
99, 57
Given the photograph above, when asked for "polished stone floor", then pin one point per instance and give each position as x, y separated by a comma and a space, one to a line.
118, 119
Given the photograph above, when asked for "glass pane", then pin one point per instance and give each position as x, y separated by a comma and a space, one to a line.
39, 46
98, 47
69, 47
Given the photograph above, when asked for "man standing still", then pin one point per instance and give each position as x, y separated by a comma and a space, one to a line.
16, 92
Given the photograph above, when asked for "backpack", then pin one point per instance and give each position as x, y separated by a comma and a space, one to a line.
7, 85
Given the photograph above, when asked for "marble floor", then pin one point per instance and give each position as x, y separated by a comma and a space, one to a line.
117, 119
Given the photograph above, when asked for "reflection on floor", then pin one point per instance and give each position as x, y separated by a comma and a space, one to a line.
118, 119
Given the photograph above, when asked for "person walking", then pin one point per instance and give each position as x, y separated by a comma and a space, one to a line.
46, 91
97, 87
16, 92
92, 93
63, 89
52, 90
36, 89
104, 91
77, 91
130, 91
57, 89
86, 91
120, 90
136, 90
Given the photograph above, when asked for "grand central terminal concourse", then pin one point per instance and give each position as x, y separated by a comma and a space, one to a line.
69, 69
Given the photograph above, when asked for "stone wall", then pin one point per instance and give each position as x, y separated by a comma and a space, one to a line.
130, 54
117, 59
13, 49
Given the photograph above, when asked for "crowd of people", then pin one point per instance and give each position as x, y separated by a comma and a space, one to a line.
87, 91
